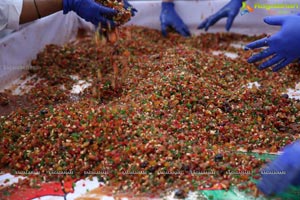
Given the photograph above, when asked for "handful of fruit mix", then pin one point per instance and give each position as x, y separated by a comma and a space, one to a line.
124, 14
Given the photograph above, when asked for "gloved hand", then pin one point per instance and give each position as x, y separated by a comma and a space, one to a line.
91, 11
284, 46
169, 17
127, 6
230, 11
289, 163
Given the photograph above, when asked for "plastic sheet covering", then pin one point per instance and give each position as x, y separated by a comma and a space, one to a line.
19, 48
193, 12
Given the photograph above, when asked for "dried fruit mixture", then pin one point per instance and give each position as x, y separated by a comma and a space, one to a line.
159, 114
123, 14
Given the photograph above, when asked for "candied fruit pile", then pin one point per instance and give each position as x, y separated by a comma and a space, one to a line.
159, 114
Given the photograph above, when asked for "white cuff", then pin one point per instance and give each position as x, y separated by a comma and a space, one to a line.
14, 13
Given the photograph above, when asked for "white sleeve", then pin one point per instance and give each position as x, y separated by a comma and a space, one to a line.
10, 12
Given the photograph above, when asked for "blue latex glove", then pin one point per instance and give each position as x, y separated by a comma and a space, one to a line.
230, 11
288, 162
169, 17
284, 46
91, 11
127, 6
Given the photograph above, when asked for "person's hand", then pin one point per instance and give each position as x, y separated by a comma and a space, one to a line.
91, 11
282, 172
230, 11
169, 17
284, 46
127, 6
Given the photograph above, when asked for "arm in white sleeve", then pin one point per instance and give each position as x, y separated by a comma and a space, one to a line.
10, 12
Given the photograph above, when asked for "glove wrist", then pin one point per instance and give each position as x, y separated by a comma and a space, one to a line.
167, 5
67, 6
240, 2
